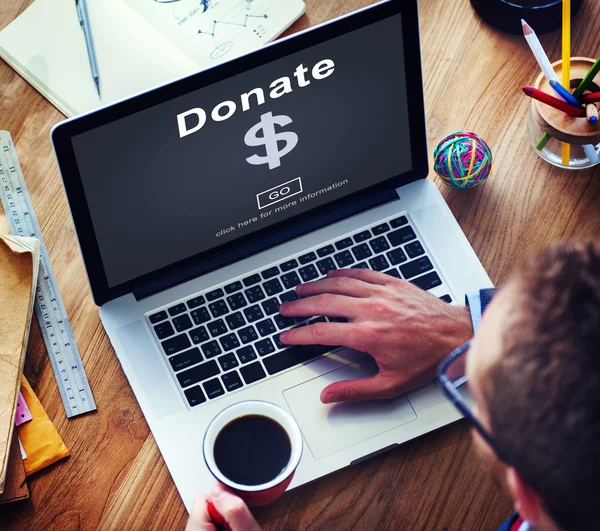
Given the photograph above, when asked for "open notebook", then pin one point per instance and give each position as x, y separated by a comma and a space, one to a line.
139, 44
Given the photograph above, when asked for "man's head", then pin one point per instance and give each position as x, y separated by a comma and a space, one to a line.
534, 372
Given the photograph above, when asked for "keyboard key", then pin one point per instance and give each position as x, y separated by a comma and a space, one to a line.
199, 335
248, 334
306, 258
344, 259
235, 320
195, 302
228, 361
232, 381
254, 313
428, 281
398, 222
360, 265
198, 373
379, 263
265, 327
246, 354
414, 249
194, 396
211, 349
393, 273
277, 340
271, 306
324, 251
200, 316
380, 229
236, 301
416, 267
163, 330
272, 287
400, 236
253, 372
397, 256
216, 328
176, 344
293, 356
317, 320
344, 244
264, 347
289, 265
213, 388
182, 323
251, 280
233, 287
446, 298
218, 308
229, 342
308, 273
255, 294
270, 273
157, 317
325, 265
379, 244
177, 309
289, 296
362, 236
361, 251
214, 294
185, 359
290, 280
283, 322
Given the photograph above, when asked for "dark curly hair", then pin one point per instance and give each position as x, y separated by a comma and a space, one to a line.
544, 393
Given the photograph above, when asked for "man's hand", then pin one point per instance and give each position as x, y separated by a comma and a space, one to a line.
233, 510
407, 330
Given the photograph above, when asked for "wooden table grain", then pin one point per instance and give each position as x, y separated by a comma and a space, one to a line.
116, 478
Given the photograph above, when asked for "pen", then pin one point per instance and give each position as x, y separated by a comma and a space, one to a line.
564, 93
589, 77
592, 113
84, 21
593, 97
538, 51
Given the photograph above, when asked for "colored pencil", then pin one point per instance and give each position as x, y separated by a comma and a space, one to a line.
590, 152
591, 112
538, 51
592, 97
546, 98
589, 77
564, 93
566, 67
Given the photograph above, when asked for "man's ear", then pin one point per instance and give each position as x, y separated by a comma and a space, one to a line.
527, 502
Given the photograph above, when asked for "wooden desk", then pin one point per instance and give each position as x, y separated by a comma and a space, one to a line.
116, 478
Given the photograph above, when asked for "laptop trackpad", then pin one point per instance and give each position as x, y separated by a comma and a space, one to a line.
329, 428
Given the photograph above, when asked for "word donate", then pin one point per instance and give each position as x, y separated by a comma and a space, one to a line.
279, 193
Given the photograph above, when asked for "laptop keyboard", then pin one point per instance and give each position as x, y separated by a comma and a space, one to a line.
226, 338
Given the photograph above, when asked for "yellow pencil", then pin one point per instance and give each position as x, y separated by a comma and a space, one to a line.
566, 64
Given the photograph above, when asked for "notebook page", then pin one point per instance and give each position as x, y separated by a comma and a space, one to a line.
213, 31
46, 45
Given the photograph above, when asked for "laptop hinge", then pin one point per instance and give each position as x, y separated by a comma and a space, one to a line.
201, 267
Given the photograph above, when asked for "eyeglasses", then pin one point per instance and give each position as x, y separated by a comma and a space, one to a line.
453, 378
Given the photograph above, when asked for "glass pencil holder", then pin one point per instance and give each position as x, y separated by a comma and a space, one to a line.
549, 129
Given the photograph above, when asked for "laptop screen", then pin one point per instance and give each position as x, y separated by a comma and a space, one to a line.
221, 162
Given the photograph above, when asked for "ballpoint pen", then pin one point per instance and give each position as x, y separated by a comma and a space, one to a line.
84, 21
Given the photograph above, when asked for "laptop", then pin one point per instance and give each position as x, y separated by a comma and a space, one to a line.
201, 204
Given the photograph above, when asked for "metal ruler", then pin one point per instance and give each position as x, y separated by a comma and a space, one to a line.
49, 307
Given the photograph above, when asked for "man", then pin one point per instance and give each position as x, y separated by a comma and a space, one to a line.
533, 372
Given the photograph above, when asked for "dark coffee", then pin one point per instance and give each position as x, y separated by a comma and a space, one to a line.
252, 450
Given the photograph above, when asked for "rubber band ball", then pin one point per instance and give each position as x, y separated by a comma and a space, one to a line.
463, 160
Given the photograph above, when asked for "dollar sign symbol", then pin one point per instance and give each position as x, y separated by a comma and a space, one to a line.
270, 139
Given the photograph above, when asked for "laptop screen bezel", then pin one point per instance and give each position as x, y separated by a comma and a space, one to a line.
279, 232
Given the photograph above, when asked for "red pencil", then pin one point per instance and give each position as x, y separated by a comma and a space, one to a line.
590, 98
546, 98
